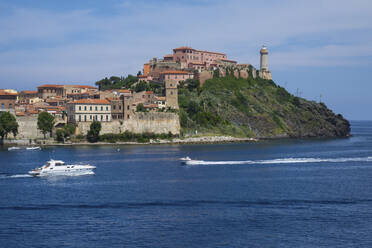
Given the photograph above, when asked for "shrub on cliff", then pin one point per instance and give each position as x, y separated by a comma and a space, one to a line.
8, 124
45, 123
93, 133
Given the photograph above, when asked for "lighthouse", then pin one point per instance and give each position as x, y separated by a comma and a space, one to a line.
264, 58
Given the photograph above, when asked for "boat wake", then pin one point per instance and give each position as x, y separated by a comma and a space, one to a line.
281, 161
74, 174
15, 176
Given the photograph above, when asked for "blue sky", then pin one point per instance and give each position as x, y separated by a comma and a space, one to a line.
320, 47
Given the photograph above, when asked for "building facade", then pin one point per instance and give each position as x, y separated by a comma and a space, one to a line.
8, 100
176, 76
88, 110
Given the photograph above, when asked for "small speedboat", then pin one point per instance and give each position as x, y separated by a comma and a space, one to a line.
185, 160
33, 148
13, 148
58, 167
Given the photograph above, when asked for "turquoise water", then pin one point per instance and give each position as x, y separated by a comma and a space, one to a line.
283, 193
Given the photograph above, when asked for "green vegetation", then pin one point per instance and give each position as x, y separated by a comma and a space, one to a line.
45, 123
8, 124
129, 82
93, 133
133, 137
140, 108
115, 82
253, 108
62, 134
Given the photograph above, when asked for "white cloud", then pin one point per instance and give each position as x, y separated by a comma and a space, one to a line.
45, 45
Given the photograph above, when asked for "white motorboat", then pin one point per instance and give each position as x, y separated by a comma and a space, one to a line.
32, 148
13, 148
185, 160
58, 167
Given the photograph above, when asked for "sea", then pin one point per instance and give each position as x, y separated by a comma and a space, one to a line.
271, 193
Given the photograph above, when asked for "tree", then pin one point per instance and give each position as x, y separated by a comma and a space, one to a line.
140, 108
141, 86
63, 133
45, 123
139, 73
93, 133
8, 124
192, 84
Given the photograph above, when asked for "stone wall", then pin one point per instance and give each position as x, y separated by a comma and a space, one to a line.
27, 127
156, 122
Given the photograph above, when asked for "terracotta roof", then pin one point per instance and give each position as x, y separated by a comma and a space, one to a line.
5, 93
90, 101
161, 98
150, 105
142, 76
20, 113
80, 86
168, 56
183, 48
50, 86
29, 92
228, 60
149, 92
124, 91
175, 72
210, 52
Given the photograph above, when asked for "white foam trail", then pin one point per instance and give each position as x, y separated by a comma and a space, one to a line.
19, 176
281, 161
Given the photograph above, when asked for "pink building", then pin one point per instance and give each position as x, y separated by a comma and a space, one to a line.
188, 56
176, 76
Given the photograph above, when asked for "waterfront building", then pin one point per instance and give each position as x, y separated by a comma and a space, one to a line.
88, 110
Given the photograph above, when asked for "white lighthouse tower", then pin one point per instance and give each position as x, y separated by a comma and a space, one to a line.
264, 67
264, 59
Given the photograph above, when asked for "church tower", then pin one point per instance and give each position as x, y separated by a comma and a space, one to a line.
264, 59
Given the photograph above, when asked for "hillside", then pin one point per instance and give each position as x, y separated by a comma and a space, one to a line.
254, 108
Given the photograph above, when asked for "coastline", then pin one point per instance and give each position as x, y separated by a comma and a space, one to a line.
175, 141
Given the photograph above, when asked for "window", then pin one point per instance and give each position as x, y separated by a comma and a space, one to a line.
168, 76
106, 117
85, 118
79, 107
2, 106
96, 108
148, 96
85, 108
96, 118
128, 107
79, 117
171, 92
175, 77
120, 107
114, 107
106, 108
101, 117
128, 116
10, 105
90, 117
101, 108
90, 108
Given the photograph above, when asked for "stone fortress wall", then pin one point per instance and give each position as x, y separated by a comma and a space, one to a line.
140, 122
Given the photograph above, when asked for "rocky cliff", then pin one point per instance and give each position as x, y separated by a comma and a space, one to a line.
254, 107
